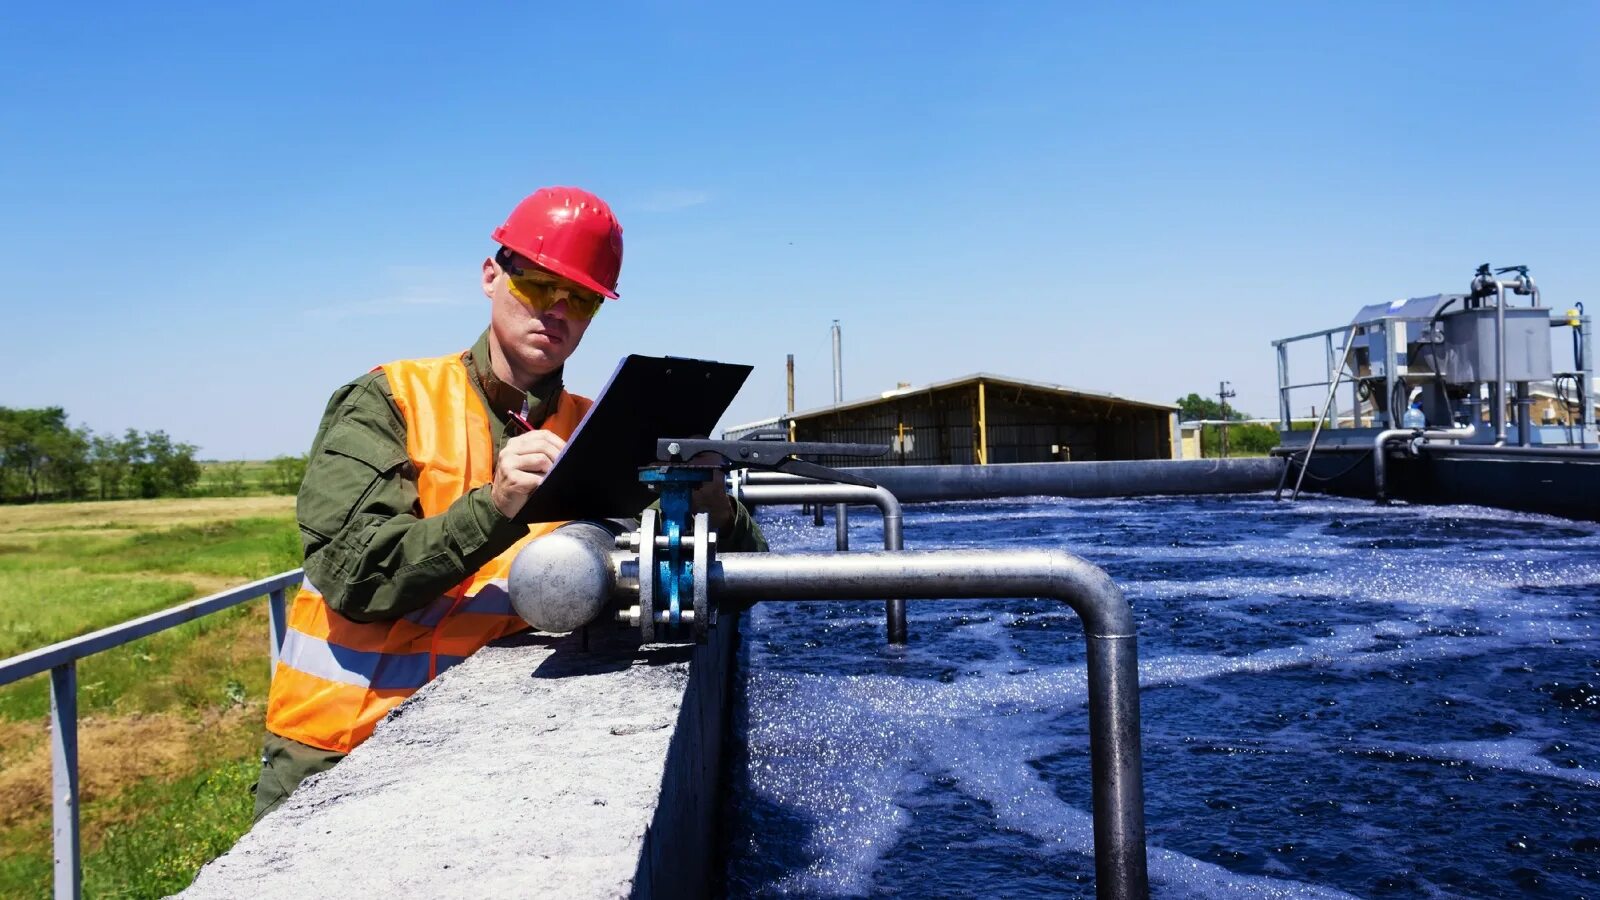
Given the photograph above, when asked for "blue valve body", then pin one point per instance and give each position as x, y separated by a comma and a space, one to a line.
675, 484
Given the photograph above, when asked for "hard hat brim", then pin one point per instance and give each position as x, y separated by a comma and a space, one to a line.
570, 273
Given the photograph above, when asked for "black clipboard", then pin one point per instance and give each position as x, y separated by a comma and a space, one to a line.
648, 398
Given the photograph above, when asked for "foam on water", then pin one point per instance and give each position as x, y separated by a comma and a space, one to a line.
1336, 698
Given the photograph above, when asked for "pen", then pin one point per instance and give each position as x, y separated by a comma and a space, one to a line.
521, 418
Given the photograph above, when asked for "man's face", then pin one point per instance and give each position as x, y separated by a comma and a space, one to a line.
538, 330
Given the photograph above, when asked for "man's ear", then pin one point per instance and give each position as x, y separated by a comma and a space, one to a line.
490, 273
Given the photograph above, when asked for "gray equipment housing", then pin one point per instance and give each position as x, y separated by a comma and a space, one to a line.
1371, 345
1467, 352
1456, 343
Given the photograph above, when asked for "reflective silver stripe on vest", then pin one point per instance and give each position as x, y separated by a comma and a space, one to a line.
362, 668
493, 599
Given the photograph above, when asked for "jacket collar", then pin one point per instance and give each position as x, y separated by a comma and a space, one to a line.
505, 399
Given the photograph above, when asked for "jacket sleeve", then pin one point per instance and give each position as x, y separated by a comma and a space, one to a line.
369, 550
744, 535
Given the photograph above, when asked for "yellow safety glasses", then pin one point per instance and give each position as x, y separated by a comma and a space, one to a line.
541, 292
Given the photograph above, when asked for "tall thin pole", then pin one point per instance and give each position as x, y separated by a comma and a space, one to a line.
790, 407
1223, 394
841, 517
838, 365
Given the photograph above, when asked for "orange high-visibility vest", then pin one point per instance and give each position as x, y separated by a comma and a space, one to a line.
337, 678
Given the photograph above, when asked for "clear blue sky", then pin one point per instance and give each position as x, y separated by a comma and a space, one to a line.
213, 214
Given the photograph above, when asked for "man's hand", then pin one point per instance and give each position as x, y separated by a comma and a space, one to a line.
712, 497
522, 467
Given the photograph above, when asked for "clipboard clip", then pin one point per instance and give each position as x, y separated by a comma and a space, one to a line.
773, 456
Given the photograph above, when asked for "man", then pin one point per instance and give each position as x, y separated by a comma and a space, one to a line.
418, 470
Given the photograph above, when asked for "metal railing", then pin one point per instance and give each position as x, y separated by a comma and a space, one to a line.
61, 661
1392, 333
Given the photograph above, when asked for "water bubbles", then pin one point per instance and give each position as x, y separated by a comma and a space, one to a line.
1337, 698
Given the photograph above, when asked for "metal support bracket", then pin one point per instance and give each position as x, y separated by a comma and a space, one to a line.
777, 456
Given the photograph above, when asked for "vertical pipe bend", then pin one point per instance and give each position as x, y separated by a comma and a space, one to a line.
1380, 483
765, 488
1116, 762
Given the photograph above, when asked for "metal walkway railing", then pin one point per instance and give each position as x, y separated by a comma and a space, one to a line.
61, 660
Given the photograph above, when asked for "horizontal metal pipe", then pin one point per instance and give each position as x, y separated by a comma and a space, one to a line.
760, 476
1464, 433
800, 491
935, 574
1578, 453
563, 581
1122, 478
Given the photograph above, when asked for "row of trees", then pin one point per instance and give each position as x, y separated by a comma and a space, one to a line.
1245, 439
283, 474
42, 457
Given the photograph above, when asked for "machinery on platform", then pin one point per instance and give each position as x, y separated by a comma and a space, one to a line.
1452, 377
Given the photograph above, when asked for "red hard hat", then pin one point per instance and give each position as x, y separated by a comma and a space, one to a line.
570, 232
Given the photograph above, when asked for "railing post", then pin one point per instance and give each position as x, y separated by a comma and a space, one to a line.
1392, 420
1355, 386
1587, 416
275, 613
1332, 414
1284, 413
64, 779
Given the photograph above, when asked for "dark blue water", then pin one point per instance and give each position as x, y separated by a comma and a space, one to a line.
1338, 700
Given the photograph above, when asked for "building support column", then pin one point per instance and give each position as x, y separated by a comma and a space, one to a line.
983, 427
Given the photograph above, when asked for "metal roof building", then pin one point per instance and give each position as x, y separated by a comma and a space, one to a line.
984, 418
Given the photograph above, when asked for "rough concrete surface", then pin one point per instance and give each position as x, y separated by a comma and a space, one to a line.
533, 769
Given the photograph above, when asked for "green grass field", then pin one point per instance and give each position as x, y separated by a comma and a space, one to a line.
170, 725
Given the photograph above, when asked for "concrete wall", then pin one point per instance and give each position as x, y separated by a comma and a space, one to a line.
533, 769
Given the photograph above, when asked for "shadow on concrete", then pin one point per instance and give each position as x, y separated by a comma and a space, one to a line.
609, 650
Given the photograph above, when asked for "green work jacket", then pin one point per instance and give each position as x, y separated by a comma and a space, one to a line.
368, 549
